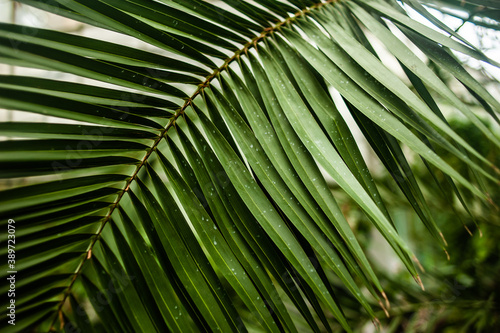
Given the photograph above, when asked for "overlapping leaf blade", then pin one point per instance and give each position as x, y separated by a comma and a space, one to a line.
189, 194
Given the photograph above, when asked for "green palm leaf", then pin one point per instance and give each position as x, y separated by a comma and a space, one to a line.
187, 186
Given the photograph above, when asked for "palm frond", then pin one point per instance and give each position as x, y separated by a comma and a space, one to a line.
186, 186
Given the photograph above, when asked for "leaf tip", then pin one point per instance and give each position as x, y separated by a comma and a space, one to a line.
419, 281
468, 230
387, 303
377, 324
384, 309
444, 239
447, 254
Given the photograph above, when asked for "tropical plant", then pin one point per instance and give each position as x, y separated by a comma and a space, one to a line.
186, 187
